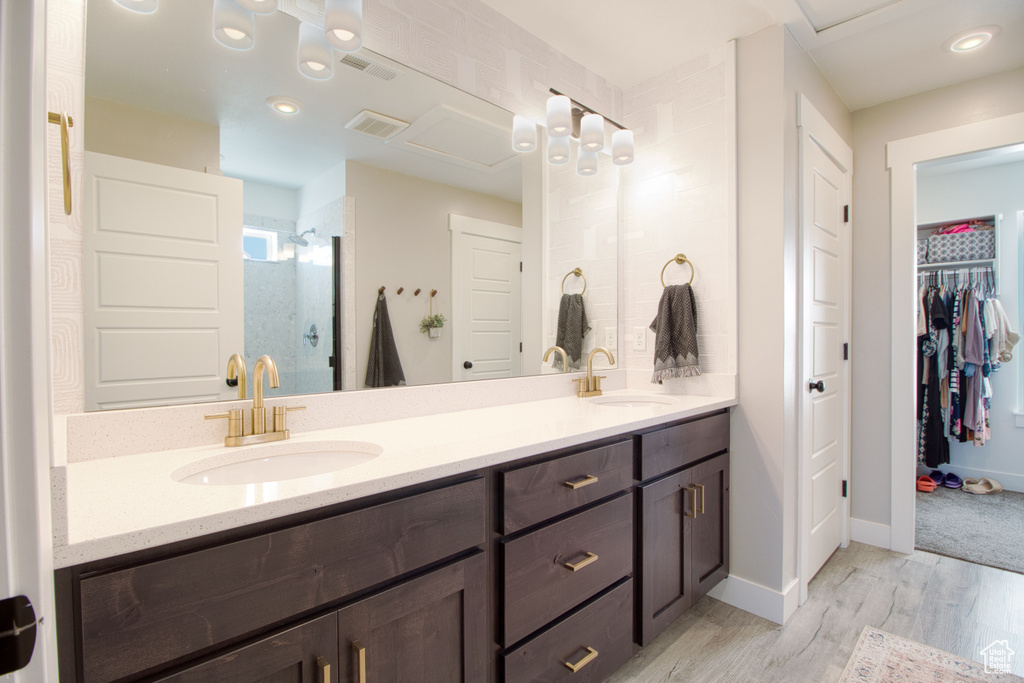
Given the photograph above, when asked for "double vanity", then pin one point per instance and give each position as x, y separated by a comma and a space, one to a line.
545, 540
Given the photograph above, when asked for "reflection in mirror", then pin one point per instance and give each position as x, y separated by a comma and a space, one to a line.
234, 205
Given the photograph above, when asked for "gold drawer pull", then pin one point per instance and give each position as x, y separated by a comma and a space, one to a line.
586, 481
361, 654
700, 508
325, 670
692, 515
591, 656
590, 559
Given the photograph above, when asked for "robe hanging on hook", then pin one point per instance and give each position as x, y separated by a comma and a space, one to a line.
381, 290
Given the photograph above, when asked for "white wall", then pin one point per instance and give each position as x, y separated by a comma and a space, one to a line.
322, 190
981, 192
133, 133
270, 201
402, 240
978, 100
771, 72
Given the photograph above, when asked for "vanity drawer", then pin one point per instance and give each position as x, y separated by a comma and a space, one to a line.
538, 492
137, 618
538, 584
605, 626
674, 447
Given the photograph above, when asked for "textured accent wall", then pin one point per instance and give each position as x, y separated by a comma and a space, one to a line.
678, 198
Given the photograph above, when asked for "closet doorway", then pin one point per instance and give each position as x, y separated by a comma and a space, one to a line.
968, 281
905, 157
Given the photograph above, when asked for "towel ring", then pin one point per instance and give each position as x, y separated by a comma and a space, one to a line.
680, 259
578, 273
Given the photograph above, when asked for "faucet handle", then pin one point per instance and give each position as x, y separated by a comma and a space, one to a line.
584, 386
234, 418
597, 383
280, 423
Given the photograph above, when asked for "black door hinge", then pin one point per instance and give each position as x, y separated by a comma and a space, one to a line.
520, 347
18, 637
520, 266
846, 213
844, 488
846, 351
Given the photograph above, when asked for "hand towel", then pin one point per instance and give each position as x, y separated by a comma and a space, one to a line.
572, 327
675, 329
383, 369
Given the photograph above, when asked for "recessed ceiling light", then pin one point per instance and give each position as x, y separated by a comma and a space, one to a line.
972, 39
285, 105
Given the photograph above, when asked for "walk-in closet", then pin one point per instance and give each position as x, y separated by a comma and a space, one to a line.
970, 393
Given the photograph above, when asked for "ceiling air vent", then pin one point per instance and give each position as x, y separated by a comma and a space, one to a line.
376, 125
378, 71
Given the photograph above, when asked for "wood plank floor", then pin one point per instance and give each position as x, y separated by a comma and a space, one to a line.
945, 603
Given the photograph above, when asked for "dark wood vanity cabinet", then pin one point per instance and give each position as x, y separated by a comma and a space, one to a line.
683, 535
550, 568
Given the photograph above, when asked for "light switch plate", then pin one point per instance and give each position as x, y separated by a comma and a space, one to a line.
640, 338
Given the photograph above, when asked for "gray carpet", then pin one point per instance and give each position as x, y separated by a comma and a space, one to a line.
981, 529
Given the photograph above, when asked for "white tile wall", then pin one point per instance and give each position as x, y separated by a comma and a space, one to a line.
678, 199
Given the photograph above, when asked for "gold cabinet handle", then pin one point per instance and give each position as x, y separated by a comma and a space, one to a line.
585, 481
590, 656
361, 655
700, 508
65, 122
691, 515
325, 670
590, 559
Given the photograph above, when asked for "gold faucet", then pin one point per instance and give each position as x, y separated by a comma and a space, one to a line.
236, 430
591, 385
236, 371
565, 357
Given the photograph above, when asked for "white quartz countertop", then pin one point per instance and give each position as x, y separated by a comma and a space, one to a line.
127, 503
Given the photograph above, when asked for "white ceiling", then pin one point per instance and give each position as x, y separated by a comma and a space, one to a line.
169, 62
871, 51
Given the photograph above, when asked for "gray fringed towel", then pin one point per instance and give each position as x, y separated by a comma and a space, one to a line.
572, 327
383, 369
675, 329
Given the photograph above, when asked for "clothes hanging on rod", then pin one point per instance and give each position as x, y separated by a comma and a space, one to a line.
963, 337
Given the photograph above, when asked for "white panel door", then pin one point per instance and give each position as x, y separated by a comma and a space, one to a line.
162, 283
824, 315
486, 322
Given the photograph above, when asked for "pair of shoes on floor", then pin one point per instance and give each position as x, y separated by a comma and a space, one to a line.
926, 484
947, 479
982, 486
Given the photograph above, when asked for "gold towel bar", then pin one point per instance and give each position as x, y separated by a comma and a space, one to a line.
680, 259
578, 273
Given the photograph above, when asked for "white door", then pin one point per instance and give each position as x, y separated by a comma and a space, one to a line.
486, 275
26, 566
826, 162
162, 283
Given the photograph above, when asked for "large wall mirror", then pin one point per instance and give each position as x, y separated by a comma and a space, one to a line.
235, 205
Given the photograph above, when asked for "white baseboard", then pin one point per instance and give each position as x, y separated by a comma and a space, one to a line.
757, 599
1009, 480
871, 533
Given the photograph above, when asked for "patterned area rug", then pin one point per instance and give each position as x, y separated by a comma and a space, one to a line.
881, 657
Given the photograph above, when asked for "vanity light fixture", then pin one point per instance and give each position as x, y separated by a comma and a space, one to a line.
259, 6
622, 147
592, 133
586, 163
972, 39
558, 150
316, 56
140, 6
233, 25
284, 105
343, 24
524, 134
559, 108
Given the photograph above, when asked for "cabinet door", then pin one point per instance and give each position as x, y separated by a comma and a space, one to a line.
431, 628
666, 588
304, 654
709, 535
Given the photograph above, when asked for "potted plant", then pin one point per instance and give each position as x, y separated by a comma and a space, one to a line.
432, 324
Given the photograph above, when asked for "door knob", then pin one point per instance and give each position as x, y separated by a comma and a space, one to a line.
467, 364
819, 385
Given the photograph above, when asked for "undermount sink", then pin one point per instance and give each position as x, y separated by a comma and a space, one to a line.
633, 401
277, 462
